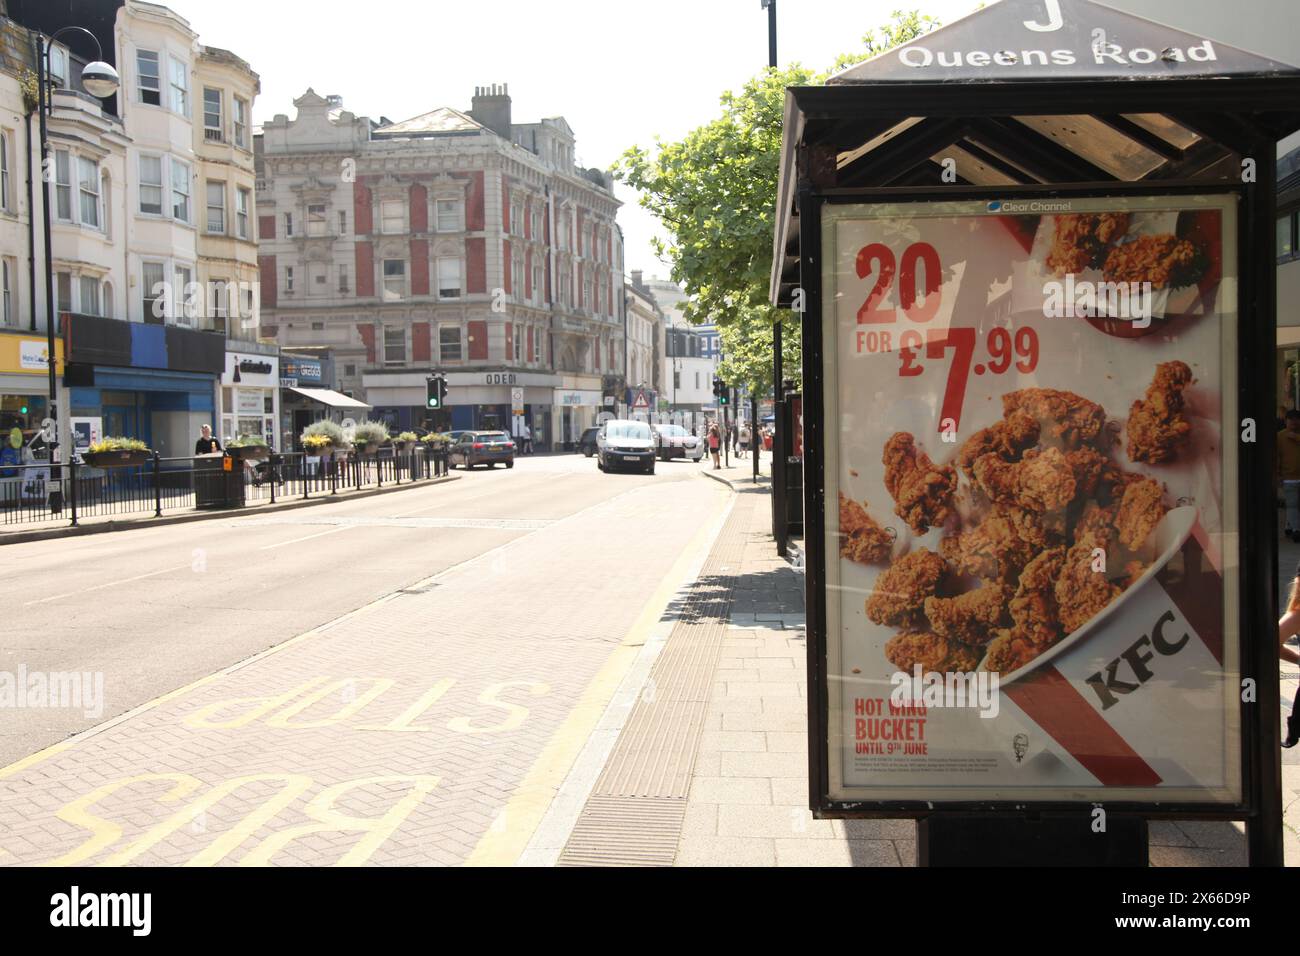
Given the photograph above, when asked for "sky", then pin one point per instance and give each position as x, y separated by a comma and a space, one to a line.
621, 73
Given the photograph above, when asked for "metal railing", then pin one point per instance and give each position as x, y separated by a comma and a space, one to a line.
41, 493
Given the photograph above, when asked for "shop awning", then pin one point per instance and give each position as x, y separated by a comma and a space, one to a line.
327, 396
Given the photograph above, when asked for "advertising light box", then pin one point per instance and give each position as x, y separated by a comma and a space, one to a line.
1031, 503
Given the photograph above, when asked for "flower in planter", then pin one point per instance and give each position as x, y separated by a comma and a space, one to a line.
369, 433
117, 443
436, 438
405, 438
321, 435
247, 441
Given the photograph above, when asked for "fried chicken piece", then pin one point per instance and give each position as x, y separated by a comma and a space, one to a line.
1140, 511
1081, 240
1081, 592
900, 591
1114, 481
1008, 652
1074, 420
1164, 261
1087, 465
999, 546
1132, 571
969, 617
922, 490
1007, 438
1041, 481
932, 651
1156, 424
1097, 521
1034, 608
861, 538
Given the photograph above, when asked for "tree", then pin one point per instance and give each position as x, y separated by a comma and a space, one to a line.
715, 193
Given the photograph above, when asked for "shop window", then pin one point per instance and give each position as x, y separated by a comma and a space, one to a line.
395, 346
394, 279
216, 207
148, 78
1287, 247
449, 278
449, 349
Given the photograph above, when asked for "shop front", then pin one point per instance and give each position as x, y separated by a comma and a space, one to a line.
577, 407
154, 383
250, 397
25, 384
496, 400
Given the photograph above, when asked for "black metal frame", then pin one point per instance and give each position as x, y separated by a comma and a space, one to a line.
1261, 776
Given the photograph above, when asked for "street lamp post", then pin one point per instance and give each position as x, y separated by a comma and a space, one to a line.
778, 373
99, 80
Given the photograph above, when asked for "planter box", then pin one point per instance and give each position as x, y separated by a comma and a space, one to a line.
116, 459
249, 452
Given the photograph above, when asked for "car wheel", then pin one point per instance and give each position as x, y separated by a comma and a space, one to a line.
510, 464
587, 452
600, 463
491, 464
650, 470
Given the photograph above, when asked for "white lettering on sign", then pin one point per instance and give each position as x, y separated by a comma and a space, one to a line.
921, 57
1054, 18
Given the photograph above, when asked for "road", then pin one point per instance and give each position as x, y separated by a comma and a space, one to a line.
495, 603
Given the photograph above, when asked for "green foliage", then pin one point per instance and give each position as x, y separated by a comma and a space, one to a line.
323, 434
370, 433
715, 194
247, 441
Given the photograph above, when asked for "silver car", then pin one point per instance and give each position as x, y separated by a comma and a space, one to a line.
625, 444
676, 442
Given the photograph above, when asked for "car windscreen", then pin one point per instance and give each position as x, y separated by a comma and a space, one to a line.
493, 436
672, 431
627, 430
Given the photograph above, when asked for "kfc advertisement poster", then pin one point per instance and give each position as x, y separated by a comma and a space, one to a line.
1030, 475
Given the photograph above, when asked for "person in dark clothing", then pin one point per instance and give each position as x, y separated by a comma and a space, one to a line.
207, 443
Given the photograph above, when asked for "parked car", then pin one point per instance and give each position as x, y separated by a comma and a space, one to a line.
587, 443
625, 444
482, 448
676, 442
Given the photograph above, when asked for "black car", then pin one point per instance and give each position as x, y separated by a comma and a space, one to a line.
587, 443
482, 448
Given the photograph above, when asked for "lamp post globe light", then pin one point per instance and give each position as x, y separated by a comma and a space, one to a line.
100, 80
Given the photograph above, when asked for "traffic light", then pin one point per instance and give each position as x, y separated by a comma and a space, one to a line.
722, 391
435, 392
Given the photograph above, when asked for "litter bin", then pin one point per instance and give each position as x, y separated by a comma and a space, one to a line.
794, 496
218, 482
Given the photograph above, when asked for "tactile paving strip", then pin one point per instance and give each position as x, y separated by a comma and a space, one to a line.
635, 812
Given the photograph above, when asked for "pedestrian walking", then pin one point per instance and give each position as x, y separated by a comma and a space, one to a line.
1287, 628
528, 439
745, 436
1288, 468
207, 443
715, 445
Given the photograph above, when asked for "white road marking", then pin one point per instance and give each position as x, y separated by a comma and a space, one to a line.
110, 584
319, 534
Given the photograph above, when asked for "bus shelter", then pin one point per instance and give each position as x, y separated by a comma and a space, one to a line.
1034, 256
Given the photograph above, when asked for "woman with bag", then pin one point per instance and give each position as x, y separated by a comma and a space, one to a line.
715, 444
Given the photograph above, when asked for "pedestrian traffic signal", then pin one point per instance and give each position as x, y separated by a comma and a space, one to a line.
435, 392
